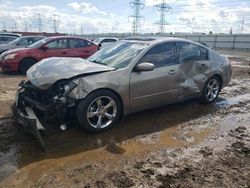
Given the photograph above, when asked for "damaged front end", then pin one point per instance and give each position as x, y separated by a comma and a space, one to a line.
33, 104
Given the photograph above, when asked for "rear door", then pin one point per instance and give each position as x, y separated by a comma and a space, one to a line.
194, 68
56, 48
81, 48
157, 87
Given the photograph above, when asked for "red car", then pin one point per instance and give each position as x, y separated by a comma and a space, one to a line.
20, 60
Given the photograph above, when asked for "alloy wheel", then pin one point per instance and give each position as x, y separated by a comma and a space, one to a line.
102, 112
212, 89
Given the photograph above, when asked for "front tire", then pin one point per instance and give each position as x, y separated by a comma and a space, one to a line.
99, 111
25, 64
211, 89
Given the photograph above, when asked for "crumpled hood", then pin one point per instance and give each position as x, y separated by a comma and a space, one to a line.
47, 71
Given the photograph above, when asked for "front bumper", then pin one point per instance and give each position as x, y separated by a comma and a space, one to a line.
25, 116
9, 65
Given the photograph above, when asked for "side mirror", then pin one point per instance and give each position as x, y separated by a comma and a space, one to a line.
145, 66
44, 48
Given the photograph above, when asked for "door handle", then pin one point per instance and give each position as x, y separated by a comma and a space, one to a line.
202, 65
86, 51
64, 52
172, 72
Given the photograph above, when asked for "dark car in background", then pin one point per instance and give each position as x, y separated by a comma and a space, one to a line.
20, 42
21, 59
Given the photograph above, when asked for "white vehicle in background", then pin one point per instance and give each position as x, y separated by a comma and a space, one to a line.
101, 42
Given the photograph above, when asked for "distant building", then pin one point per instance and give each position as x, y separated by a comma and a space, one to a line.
39, 33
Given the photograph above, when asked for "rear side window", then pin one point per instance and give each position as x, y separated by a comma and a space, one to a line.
108, 40
161, 55
191, 52
77, 43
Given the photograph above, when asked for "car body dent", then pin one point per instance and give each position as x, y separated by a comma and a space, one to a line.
88, 84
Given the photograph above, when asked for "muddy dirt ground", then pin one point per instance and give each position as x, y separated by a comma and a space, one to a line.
181, 145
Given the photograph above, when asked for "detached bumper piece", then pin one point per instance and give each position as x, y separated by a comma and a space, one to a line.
30, 122
26, 116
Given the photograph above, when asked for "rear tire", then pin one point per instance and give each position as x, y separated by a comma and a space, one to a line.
211, 90
99, 111
25, 64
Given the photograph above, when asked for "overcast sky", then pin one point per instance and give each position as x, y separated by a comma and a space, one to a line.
104, 16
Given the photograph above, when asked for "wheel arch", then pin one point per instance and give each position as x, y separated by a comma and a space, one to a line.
28, 57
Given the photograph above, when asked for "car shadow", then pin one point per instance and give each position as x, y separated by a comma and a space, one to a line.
75, 140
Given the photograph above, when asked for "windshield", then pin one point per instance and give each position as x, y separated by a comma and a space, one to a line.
39, 43
118, 55
97, 40
15, 41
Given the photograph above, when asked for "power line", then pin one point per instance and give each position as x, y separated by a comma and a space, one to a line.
163, 8
137, 5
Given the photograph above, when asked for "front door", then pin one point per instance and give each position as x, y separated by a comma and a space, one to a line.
157, 87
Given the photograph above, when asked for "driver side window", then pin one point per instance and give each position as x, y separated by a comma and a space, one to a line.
161, 55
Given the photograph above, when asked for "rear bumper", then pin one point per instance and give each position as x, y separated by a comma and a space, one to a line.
25, 116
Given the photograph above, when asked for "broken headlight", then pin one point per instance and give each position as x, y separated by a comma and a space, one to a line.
63, 89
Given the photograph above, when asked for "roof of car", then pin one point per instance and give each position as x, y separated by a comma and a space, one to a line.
35, 36
59, 37
10, 34
154, 40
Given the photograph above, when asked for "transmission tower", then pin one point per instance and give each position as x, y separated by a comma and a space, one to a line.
137, 6
163, 8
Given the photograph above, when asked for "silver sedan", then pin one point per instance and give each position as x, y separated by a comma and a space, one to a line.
128, 76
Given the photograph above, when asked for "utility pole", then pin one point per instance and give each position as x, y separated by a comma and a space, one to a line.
4, 26
15, 26
55, 23
242, 25
137, 5
30, 24
39, 23
81, 30
163, 8
25, 25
